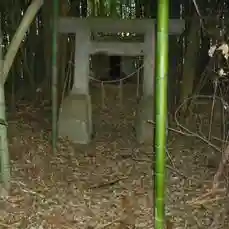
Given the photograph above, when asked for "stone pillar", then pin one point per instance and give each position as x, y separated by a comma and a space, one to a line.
81, 64
145, 110
75, 120
149, 63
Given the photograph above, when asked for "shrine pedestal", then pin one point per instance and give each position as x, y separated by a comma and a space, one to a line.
75, 120
145, 112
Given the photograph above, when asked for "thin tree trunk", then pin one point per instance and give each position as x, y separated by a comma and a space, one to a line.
19, 35
189, 69
47, 38
62, 50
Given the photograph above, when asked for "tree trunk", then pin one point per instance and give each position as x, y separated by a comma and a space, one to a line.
189, 69
62, 51
47, 38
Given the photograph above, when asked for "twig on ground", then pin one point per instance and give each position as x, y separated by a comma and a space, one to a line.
223, 162
109, 183
200, 200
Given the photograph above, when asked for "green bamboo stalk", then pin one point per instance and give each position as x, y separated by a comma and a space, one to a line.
54, 74
161, 109
4, 152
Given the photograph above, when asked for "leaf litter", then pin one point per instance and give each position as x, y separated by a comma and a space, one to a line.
107, 184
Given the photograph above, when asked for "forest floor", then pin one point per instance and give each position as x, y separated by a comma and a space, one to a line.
107, 184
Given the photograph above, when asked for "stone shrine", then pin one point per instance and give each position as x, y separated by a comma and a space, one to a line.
75, 118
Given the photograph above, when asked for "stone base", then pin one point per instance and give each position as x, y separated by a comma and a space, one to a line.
75, 120
145, 112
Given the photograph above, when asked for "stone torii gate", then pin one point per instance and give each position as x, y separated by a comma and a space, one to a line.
75, 119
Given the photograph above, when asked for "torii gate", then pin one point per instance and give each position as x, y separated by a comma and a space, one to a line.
75, 120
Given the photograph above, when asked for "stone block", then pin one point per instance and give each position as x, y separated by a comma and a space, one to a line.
75, 120
145, 112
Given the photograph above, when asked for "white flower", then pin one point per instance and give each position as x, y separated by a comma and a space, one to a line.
221, 72
223, 47
225, 50
211, 51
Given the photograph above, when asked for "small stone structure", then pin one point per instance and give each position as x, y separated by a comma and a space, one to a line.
75, 120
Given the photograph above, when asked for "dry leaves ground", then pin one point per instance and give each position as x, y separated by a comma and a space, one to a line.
107, 184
